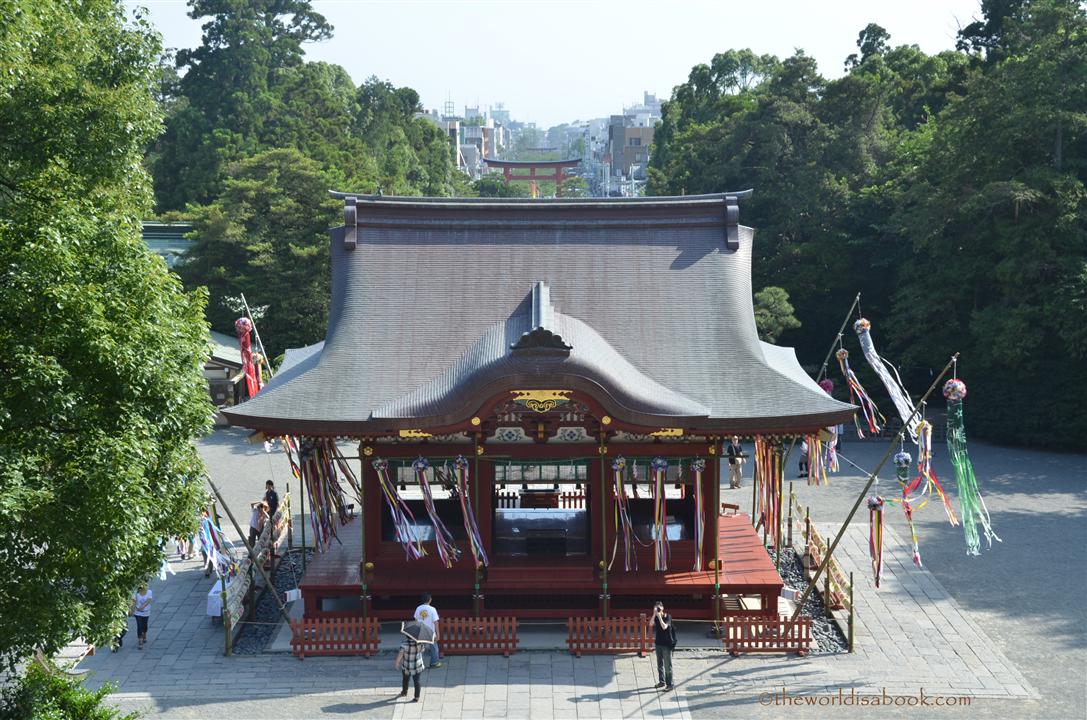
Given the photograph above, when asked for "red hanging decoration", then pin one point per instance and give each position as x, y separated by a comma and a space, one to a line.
243, 326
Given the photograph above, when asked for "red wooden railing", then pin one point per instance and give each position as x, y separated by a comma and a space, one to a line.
766, 634
596, 635
478, 636
334, 636
572, 500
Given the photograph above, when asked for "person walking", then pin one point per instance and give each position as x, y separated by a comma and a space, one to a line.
141, 610
736, 460
409, 661
256, 521
664, 643
271, 498
427, 615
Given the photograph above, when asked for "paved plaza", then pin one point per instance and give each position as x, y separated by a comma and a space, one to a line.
1001, 635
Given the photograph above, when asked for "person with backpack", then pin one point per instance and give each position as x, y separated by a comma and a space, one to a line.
664, 642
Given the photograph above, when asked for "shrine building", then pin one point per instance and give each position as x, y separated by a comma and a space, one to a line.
527, 401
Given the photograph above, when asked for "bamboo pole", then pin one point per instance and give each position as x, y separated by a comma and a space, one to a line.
871, 479
851, 611
252, 555
229, 639
826, 360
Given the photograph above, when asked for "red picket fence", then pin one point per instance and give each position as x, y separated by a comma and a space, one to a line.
478, 636
572, 499
766, 634
334, 636
609, 635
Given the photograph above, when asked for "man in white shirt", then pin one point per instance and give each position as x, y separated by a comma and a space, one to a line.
427, 615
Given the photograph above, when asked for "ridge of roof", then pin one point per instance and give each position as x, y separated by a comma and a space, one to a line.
669, 201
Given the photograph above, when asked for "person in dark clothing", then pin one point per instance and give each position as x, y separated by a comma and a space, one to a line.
664, 643
271, 497
736, 460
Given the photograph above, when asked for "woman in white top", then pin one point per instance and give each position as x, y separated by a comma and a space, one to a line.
141, 609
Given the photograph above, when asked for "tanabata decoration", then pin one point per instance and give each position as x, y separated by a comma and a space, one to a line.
625, 528
459, 474
697, 468
402, 517
971, 504
243, 326
659, 469
884, 370
875, 535
830, 454
926, 480
323, 471
902, 462
443, 539
213, 544
258, 369
857, 395
817, 471
768, 473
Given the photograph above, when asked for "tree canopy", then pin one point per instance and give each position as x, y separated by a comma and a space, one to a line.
103, 388
948, 189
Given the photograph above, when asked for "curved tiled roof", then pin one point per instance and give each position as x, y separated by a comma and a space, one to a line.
438, 304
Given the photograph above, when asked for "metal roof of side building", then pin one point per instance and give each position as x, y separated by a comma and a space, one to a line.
440, 303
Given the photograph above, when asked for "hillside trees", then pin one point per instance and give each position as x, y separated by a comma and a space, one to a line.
256, 137
948, 189
103, 351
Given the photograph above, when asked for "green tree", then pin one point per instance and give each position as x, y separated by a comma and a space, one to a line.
45, 694
575, 187
267, 236
103, 390
229, 91
773, 313
997, 215
493, 185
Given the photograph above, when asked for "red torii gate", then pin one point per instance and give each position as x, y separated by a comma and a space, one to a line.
554, 168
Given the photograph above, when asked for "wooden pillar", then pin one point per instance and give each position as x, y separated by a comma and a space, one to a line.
714, 524
558, 182
364, 597
507, 173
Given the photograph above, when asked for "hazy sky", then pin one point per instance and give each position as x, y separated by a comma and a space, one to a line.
554, 61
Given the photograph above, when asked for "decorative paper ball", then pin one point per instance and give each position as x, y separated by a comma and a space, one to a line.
243, 325
698, 465
257, 358
842, 354
420, 464
659, 464
619, 463
954, 389
875, 502
862, 325
827, 385
902, 459
461, 462
380, 464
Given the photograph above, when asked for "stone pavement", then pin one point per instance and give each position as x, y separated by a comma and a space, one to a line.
959, 628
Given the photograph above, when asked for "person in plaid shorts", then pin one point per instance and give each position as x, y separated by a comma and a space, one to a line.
410, 662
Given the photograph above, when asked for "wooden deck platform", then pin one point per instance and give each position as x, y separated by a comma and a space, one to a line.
540, 588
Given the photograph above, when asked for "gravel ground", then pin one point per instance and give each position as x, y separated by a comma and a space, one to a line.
823, 628
254, 638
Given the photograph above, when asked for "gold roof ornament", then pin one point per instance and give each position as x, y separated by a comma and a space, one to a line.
668, 433
542, 400
414, 433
